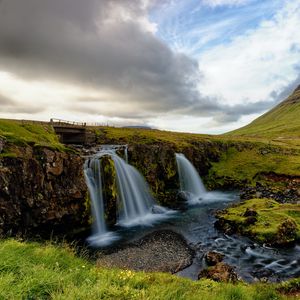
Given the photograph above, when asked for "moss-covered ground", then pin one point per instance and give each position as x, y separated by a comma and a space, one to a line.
244, 165
22, 133
265, 220
39, 271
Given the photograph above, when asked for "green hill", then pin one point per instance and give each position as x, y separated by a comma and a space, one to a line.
280, 124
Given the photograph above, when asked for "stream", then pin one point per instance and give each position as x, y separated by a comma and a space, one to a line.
196, 225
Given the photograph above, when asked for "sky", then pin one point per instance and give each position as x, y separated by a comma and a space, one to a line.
204, 66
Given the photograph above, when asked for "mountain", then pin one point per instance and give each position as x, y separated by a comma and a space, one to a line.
280, 123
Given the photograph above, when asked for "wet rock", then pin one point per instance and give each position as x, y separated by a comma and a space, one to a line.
262, 274
221, 272
212, 258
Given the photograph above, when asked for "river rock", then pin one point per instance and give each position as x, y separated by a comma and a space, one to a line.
221, 272
161, 251
212, 258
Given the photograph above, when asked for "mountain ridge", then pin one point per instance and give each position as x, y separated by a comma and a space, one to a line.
281, 122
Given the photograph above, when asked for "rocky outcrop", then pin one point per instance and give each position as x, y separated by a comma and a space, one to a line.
220, 272
280, 187
212, 258
42, 191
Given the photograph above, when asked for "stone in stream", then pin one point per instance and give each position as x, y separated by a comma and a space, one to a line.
212, 258
221, 272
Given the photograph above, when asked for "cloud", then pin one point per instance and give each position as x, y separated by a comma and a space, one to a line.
260, 61
12, 106
4, 101
108, 47
215, 3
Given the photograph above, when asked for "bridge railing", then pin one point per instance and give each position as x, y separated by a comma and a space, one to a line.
67, 123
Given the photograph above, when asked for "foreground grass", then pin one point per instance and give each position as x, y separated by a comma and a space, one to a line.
35, 271
274, 222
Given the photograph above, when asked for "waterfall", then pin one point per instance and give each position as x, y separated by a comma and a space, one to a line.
190, 181
136, 206
92, 173
133, 193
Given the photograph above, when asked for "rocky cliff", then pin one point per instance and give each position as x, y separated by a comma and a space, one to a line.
42, 191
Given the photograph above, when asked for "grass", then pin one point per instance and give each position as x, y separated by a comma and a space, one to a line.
147, 136
270, 217
244, 165
45, 271
22, 134
281, 124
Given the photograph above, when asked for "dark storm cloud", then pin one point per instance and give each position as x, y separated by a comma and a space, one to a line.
104, 45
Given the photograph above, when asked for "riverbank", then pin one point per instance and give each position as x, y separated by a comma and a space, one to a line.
47, 271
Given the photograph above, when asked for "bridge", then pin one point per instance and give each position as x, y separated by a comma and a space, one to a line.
72, 132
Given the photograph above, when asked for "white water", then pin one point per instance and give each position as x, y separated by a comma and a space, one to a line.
192, 186
190, 181
92, 172
136, 205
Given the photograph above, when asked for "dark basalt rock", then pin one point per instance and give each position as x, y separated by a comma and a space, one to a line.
221, 272
288, 191
42, 191
250, 212
2, 143
212, 258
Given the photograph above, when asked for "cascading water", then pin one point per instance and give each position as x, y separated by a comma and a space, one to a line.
93, 179
190, 181
92, 173
192, 186
136, 205
135, 200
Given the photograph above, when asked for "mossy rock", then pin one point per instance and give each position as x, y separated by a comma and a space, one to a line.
271, 222
109, 186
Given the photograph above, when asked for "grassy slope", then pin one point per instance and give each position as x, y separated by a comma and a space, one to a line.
19, 133
35, 271
279, 128
281, 124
